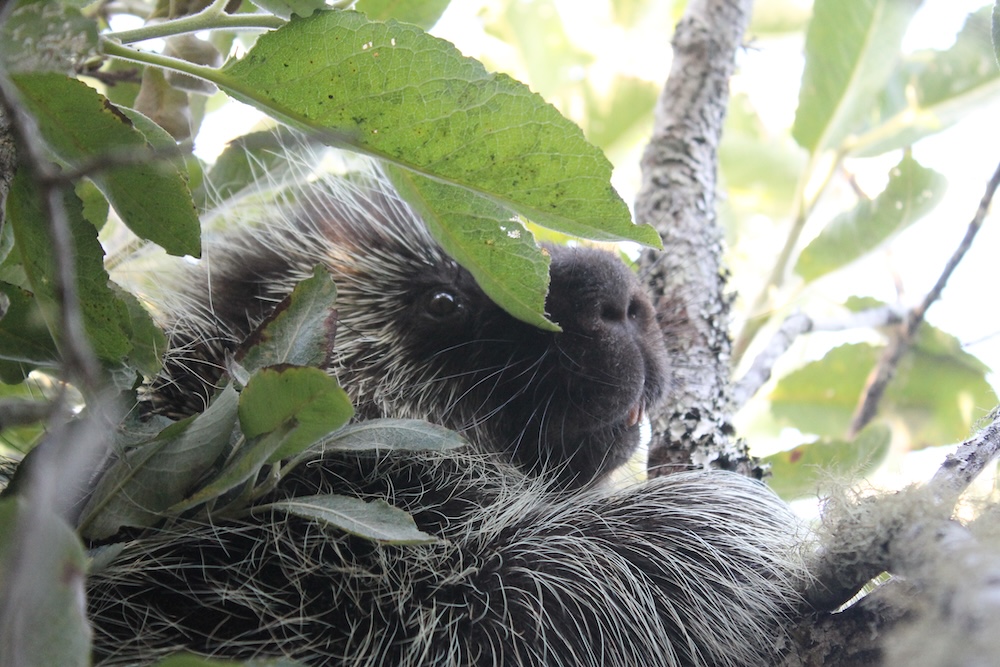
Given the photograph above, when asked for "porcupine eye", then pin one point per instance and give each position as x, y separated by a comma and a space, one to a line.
443, 305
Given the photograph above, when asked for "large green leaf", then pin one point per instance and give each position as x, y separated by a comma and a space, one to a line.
43, 620
933, 89
911, 193
499, 253
374, 520
851, 49
80, 126
392, 91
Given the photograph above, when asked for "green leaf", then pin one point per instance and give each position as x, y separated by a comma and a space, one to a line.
933, 89
245, 464
46, 36
374, 520
152, 198
801, 472
911, 193
149, 478
105, 317
300, 331
148, 340
851, 49
392, 91
499, 252
395, 434
24, 337
307, 400
939, 391
424, 13
42, 568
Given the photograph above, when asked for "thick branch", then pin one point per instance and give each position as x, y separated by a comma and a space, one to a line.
678, 198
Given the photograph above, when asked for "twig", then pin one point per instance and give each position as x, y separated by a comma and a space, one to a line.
794, 326
883, 372
970, 459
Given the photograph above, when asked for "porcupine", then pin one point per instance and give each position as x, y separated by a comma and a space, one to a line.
539, 564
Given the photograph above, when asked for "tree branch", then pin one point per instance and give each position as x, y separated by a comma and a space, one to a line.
794, 326
677, 197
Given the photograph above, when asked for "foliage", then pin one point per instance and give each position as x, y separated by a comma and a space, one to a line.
472, 151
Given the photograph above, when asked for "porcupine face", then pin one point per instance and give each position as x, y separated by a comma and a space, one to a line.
417, 337
567, 403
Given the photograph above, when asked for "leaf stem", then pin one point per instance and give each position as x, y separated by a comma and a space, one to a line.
212, 17
117, 50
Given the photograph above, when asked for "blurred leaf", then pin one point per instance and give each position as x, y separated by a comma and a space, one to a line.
939, 390
995, 31
760, 171
395, 434
195, 50
274, 157
499, 253
802, 471
148, 342
24, 337
620, 114
911, 193
300, 331
42, 568
536, 30
123, 91
933, 89
149, 478
95, 205
287, 8
46, 36
851, 49
79, 125
165, 105
392, 91
424, 13
374, 520
778, 17
307, 400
